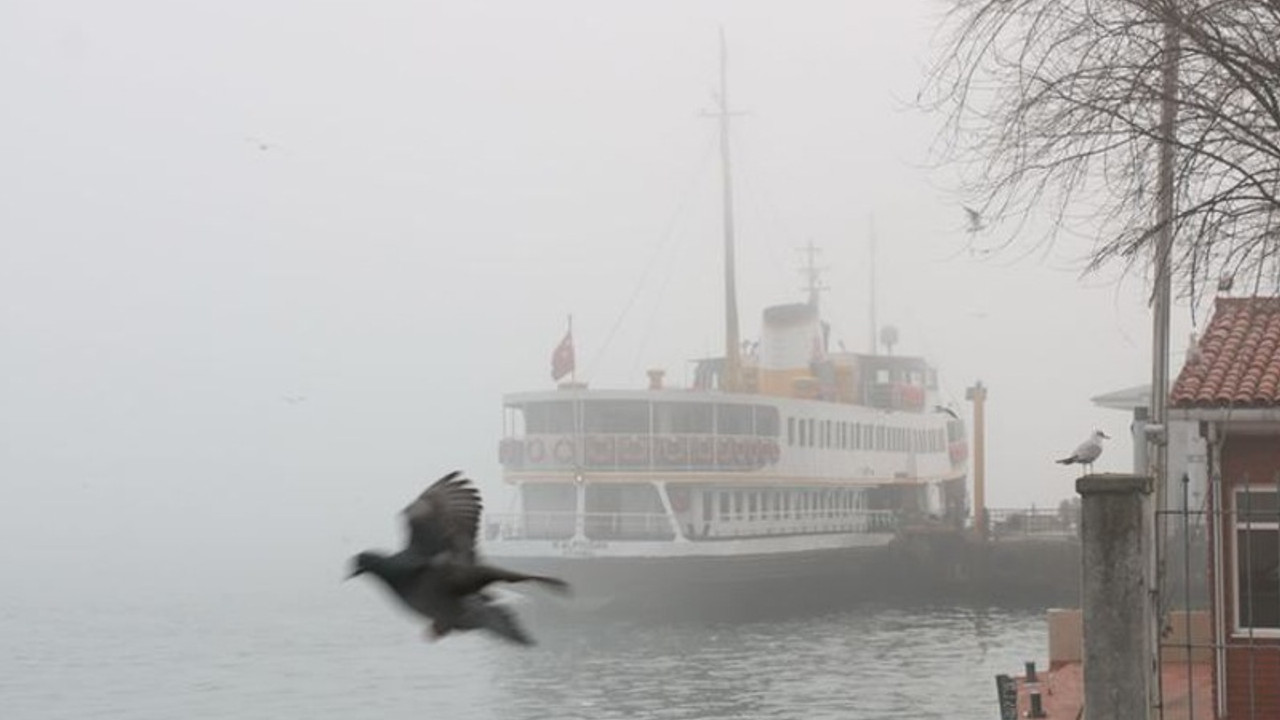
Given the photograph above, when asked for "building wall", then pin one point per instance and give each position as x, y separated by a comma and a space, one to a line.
1252, 664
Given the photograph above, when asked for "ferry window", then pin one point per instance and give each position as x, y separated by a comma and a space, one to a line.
882, 376
708, 498
766, 421
622, 498
683, 418
616, 416
917, 378
880, 437
751, 506
549, 498
733, 419
1257, 537
813, 437
857, 436
804, 433
791, 431
549, 417
723, 502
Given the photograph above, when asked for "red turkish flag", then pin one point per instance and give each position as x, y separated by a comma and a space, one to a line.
562, 358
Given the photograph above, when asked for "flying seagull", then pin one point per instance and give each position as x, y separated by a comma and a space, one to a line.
437, 573
947, 410
1088, 451
975, 219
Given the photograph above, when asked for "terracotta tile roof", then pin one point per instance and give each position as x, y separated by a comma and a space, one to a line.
1237, 363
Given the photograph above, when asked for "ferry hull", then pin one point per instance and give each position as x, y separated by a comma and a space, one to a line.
709, 586
914, 568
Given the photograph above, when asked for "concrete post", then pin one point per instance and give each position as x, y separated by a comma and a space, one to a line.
1116, 552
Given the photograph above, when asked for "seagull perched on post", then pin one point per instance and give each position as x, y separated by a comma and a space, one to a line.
1087, 452
437, 574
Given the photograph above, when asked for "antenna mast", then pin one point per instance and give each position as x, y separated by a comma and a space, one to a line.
871, 226
732, 360
812, 273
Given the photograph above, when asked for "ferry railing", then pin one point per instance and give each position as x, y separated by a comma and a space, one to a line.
1033, 522
627, 526
792, 522
531, 525
563, 525
639, 451
657, 526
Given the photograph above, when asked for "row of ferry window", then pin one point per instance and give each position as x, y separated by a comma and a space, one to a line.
641, 417
778, 505
837, 435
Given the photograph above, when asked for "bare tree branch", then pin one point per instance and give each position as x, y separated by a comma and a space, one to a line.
1052, 107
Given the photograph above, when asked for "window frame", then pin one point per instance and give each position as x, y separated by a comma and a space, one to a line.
1238, 630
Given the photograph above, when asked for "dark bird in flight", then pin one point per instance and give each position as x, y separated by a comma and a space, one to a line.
438, 575
1087, 452
975, 219
947, 410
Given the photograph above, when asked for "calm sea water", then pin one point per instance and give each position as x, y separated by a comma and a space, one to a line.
341, 651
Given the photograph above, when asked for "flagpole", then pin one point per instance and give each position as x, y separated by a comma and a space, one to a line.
573, 369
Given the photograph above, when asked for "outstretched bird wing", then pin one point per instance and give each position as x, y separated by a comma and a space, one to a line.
445, 518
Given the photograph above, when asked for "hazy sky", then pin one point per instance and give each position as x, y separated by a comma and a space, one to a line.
390, 208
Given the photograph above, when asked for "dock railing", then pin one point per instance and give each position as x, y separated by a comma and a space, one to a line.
1033, 522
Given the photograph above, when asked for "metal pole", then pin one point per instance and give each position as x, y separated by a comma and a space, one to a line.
1161, 301
978, 395
731, 350
873, 346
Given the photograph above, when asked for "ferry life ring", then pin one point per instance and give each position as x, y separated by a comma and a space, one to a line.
700, 450
536, 451
670, 452
563, 451
633, 450
599, 451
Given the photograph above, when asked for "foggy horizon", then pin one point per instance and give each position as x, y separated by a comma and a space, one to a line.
270, 267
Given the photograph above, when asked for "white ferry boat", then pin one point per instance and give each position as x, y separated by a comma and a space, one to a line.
785, 470
807, 468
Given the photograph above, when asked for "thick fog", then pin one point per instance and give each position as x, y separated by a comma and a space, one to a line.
266, 267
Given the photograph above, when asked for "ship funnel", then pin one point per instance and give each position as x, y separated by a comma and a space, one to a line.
790, 343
